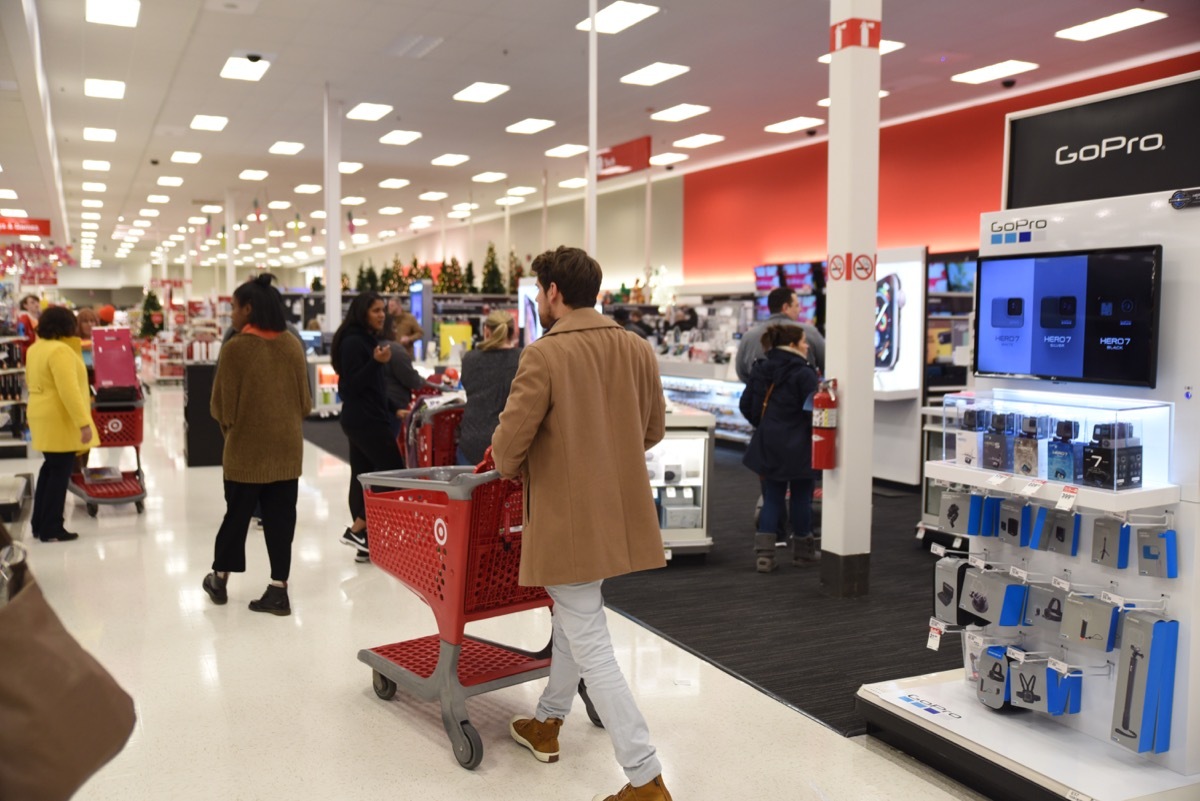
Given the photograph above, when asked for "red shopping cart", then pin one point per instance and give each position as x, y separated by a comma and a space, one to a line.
432, 437
452, 536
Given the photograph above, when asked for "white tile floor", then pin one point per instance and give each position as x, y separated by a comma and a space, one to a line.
237, 705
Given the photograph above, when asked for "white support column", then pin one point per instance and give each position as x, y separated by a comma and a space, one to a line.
188, 244
853, 222
589, 222
507, 241
333, 212
230, 248
647, 269
545, 211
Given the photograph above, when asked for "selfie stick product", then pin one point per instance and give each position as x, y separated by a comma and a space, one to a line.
1134, 655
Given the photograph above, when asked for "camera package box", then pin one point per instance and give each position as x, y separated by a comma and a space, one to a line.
993, 595
954, 512
993, 687
973, 648
1029, 448
1064, 692
1158, 552
968, 440
998, 443
1015, 521
1110, 542
1027, 681
990, 527
977, 523
1064, 456
1056, 531
948, 576
1044, 607
1145, 682
1089, 622
1113, 459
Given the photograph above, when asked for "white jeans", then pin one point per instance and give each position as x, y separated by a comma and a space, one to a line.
582, 648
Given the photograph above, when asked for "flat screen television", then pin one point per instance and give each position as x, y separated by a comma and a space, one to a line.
799, 278
1088, 315
767, 277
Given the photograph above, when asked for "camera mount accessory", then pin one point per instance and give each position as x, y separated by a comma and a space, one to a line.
979, 602
947, 593
1158, 552
952, 514
1054, 611
1125, 729
1028, 687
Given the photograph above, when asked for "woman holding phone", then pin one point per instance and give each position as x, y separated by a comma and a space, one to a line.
359, 358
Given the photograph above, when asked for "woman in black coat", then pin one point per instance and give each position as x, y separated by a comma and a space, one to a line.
359, 359
780, 451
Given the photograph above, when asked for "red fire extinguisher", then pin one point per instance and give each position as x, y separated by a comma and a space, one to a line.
825, 409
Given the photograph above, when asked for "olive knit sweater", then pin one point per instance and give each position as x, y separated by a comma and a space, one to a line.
260, 399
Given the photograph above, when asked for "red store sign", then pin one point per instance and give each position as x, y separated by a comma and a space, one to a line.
23, 226
624, 158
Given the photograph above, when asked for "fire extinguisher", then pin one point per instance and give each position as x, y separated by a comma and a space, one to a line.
824, 425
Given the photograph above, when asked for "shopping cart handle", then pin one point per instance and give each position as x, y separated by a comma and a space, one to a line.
487, 463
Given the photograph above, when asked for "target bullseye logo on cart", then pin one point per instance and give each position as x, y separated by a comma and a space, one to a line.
114, 425
440, 532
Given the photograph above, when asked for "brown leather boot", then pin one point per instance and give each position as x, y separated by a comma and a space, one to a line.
805, 551
540, 738
653, 791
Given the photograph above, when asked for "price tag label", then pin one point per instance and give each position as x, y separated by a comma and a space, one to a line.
1061, 584
937, 550
1075, 795
957, 544
1059, 666
1066, 501
1018, 573
999, 479
1015, 654
1109, 598
977, 561
1031, 489
936, 629
975, 641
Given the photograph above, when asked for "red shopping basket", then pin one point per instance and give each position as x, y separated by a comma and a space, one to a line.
433, 435
118, 428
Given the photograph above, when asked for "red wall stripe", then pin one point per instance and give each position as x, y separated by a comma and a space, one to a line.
936, 176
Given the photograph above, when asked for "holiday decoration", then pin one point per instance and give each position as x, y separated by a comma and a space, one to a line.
420, 272
372, 278
152, 316
493, 282
469, 278
450, 280
516, 271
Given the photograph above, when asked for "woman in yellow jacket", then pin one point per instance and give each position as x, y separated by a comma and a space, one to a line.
60, 417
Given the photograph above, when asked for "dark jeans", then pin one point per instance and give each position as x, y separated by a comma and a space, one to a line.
800, 509
50, 495
371, 450
278, 501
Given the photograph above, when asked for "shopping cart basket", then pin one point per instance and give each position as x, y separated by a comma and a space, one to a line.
453, 537
432, 439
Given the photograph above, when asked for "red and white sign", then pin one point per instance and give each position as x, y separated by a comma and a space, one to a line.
24, 226
837, 267
864, 267
172, 282
624, 158
39, 275
851, 267
854, 32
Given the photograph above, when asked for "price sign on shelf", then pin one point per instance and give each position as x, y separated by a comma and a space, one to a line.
975, 641
1066, 501
1018, 573
999, 479
1015, 654
1059, 666
1109, 598
977, 561
1061, 583
1031, 489
937, 550
936, 629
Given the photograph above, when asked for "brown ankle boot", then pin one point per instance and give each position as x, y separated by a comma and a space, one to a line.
805, 551
655, 790
540, 738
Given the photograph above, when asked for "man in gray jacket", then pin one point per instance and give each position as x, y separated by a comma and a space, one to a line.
785, 309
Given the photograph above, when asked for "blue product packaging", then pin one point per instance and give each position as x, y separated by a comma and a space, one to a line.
1064, 692
990, 526
1056, 531
1110, 542
975, 516
1064, 461
1145, 683
1158, 552
1014, 521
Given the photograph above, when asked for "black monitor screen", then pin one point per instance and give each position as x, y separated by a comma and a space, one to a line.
1081, 316
766, 277
311, 340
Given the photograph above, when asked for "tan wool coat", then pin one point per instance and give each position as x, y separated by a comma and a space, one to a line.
585, 406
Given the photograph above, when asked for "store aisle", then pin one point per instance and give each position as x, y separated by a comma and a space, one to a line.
236, 705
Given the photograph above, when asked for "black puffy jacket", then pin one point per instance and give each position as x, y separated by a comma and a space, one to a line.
781, 448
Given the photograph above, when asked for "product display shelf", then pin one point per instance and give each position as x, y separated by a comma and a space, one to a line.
679, 468
323, 386
709, 387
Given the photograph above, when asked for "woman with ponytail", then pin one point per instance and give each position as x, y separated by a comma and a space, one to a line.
487, 376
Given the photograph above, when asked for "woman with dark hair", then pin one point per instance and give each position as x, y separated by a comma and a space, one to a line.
400, 377
359, 359
487, 376
775, 402
260, 398
60, 417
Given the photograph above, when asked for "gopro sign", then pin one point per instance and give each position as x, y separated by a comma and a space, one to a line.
1113, 144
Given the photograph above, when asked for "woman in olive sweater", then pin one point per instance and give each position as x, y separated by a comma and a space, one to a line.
260, 399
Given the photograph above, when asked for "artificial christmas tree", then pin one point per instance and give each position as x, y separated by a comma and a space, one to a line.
493, 282
360, 280
372, 278
152, 316
469, 278
450, 280
516, 271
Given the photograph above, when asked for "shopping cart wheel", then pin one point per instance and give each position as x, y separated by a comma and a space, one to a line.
92, 509
141, 507
384, 687
592, 714
468, 747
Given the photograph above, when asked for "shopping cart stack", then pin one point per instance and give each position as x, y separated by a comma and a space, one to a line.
453, 537
433, 434
117, 413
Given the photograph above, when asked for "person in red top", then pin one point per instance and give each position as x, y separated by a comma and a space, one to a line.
31, 310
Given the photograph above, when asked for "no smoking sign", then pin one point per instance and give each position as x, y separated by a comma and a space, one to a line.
849, 267
864, 267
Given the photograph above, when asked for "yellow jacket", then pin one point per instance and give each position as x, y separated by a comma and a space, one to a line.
60, 403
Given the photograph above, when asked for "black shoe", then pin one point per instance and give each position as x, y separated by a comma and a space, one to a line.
274, 601
62, 536
214, 585
355, 539
362, 556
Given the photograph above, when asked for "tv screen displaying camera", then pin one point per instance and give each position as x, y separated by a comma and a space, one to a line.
1089, 316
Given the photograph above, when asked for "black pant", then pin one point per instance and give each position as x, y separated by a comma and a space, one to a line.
50, 495
371, 450
278, 501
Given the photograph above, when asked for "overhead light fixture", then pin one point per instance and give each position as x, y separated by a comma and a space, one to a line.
458, 215
885, 46
683, 111
663, 159
141, 223
8, 194
654, 74
88, 203
359, 221
149, 213
489, 177
307, 189
352, 200
393, 183
169, 180
389, 211
481, 92
92, 186
243, 68
110, 90
176, 237
400, 137
349, 167
95, 165
1114, 23
279, 205
122, 13
450, 160
206, 122
530, 125
432, 196
699, 140
285, 148
994, 72
566, 151
793, 125
370, 112
89, 226
522, 190
319, 214
360, 239
13, 213
30, 238
253, 175
509, 200
574, 183
157, 199
618, 16
197, 220
99, 134
465, 206
824, 102
185, 157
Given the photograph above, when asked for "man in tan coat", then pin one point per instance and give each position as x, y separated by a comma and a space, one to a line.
585, 406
